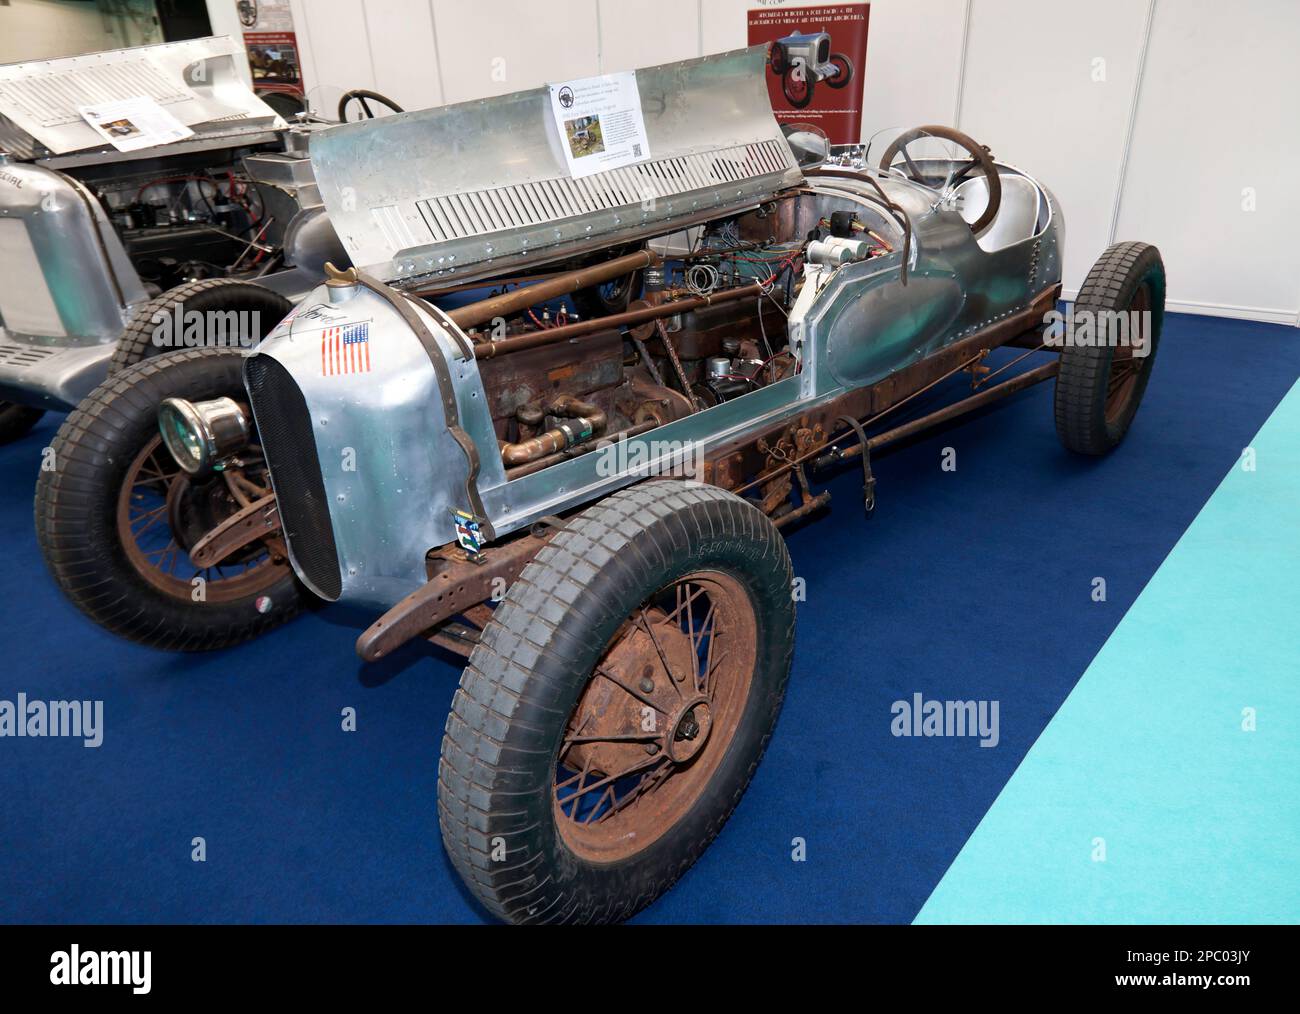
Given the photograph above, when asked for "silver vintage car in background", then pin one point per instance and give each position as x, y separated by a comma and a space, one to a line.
94, 241
588, 508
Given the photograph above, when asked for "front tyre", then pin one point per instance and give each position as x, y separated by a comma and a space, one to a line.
1120, 309
116, 516
617, 705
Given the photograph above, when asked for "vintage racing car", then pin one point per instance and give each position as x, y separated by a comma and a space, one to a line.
95, 243
587, 507
804, 58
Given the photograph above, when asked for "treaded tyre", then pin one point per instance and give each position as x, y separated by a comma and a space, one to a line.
211, 295
17, 421
617, 705
1101, 383
116, 517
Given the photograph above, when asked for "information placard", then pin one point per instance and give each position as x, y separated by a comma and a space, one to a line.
134, 123
600, 123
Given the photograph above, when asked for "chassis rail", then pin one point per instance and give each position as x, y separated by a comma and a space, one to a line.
459, 584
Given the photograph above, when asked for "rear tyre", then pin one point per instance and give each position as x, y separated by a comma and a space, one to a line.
258, 310
1102, 380
115, 517
16, 421
617, 705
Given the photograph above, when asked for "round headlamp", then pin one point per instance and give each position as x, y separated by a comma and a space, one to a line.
200, 435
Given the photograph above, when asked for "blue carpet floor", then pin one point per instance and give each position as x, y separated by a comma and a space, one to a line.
973, 584
1165, 788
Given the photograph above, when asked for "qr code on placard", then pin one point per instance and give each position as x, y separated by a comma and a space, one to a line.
636, 151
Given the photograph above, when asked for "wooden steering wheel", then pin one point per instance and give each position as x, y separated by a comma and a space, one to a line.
980, 158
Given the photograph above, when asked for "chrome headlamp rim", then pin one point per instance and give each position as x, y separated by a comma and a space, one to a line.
202, 435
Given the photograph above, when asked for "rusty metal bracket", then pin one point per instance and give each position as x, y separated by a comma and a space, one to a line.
455, 587
545, 527
676, 362
457, 638
260, 520
809, 503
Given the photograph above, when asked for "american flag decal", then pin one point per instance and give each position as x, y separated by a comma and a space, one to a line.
345, 350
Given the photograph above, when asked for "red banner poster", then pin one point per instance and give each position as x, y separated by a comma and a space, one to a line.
816, 65
272, 49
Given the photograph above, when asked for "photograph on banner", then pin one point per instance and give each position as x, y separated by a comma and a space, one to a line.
816, 64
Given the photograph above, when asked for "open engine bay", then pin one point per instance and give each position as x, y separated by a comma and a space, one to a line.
711, 326
815, 288
182, 220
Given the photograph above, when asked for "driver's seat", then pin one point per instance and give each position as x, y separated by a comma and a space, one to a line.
1017, 217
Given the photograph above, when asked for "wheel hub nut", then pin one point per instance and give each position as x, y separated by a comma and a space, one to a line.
690, 730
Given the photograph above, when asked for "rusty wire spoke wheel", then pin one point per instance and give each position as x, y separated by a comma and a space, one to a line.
1127, 365
617, 705
1101, 383
116, 517
161, 514
661, 709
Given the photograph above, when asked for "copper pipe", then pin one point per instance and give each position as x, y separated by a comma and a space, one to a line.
489, 283
550, 442
568, 407
510, 303
588, 419
575, 452
489, 350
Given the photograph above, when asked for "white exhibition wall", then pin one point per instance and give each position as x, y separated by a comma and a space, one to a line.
1172, 121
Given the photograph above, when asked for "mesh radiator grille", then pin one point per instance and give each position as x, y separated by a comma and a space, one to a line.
284, 429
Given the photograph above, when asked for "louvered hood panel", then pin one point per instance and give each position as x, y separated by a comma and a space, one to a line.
470, 190
196, 81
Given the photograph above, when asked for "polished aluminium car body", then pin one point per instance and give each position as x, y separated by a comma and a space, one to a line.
68, 287
413, 217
